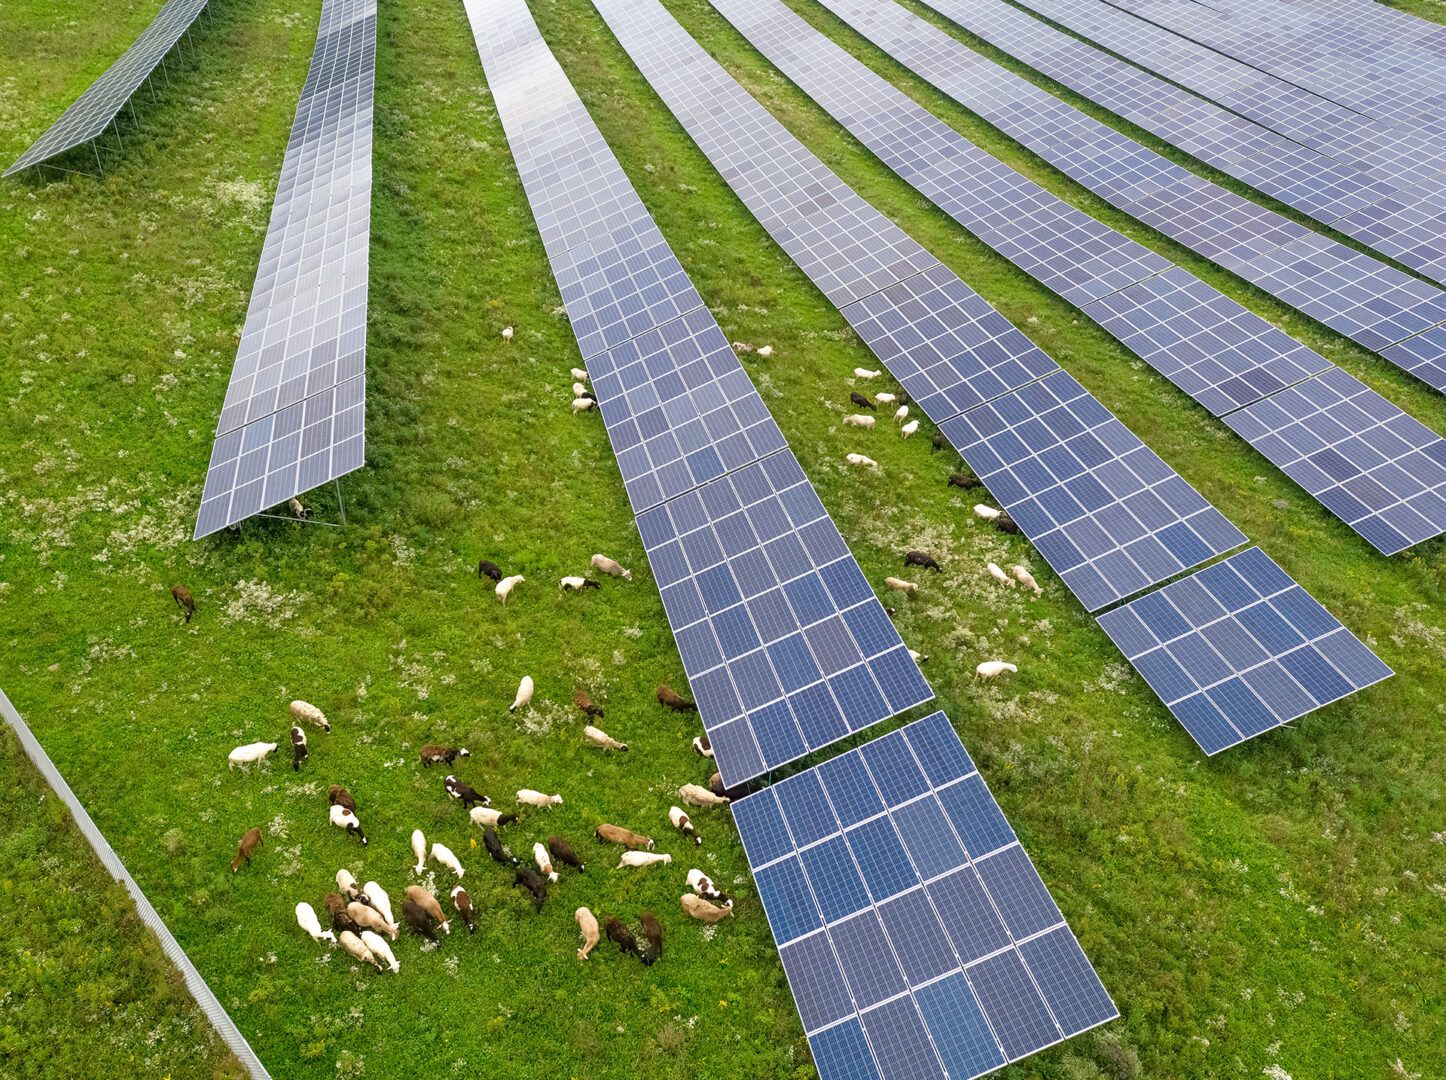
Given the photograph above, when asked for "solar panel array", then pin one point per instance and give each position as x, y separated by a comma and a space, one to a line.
1358, 296
917, 937
1239, 648
784, 643
101, 102
946, 345
295, 409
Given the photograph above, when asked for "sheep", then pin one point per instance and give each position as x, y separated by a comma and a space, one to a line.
598, 737
937, 442
885, 398
624, 937
419, 849
988, 513
695, 907
306, 919
184, 600
590, 708
417, 918
862, 460
340, 920
543, 861
965, 483
643, 858
917, 657
428, 903
353, 944
348, 886
766, 351
703, 885
381, 951
443, 854
578, 390
922, 558
494, 847
507, 333
611, 566
460, 789
616, 834
900, 585
866, 422
1025, 578
702, 747
998, 574
249, 843
297, 510
529, 880
901, 414
698, 796
369, 918
463, 903
579, 374
346, 819
577, 584
298, 748
1005, 524
506, 585
488, 569
377, 898
528, 797
305, 711
715, 785
582, 404
674, 700
524, 696
432, 754
250, 754
485, 816
990, 668
587, 924
653, 931
909, 429
683, 823
865, 373
742, 348
562, 851
862, 402
336, 795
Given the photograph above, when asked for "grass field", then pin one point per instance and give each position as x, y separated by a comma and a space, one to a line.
1274, 911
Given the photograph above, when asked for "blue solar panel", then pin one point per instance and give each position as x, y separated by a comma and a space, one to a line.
1239, 648
906, 956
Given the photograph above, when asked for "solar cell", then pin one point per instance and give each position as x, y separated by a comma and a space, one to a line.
916, 935
294, 415
101, 102
1239, 648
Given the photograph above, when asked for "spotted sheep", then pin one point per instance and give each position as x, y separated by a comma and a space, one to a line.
431, 755
703, 885
683, 823
702, 746
346, 819
463, 903
348, 886
463, 791
544, 861
298, 748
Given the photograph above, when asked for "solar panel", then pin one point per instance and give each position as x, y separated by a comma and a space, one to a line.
1422, 356
1106, 513
101, 102
1239, 648
294, 412
785, 646
916, 935
1380, 471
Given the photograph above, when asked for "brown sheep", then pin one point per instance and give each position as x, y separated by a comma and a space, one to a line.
432, 754
587, 705
624, 937
340, 920
616, 834
249, 843
417, 919
696, 907
428, 903
674, 700
184, 600
653, 931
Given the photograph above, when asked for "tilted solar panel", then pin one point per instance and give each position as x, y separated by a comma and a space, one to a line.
917, 937
1239, 648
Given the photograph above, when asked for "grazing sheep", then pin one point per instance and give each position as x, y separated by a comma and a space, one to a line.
485, 816
624, 937
578, 390
582, 404
249, 843
643, 858
577, 584
381, 951
528, 797
415, 917
377, 898
921, 558
695, 907
369, 918
340, 920
348, 886
486, 568
419, 849
428, 903
616, 834
443, 854
598, 737
653, 931
990, 668
1025, 578
562, 851
346, 819
528, 878
715, 785
307, 920
965, 483
909, 428
544, 861
988, 513
494, 847
917, 657
938, 442
432, 754
862, 402
506, 585
507, 333
463, 903
900, 585
250, 754
353, 944
862, 460
859, 421
309, 713
699, 796
184, 600
901, 414
702, 747
998, 574
298, 748
336, 795
742, 347
1005, 524
611, 566
885, 398
524, 694
674, 700
590, 708
587, 924
703, 885
460, 789
865, 373
766, 351
683, 823
297, 510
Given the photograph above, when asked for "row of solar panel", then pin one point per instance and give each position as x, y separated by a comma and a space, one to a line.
1214, 349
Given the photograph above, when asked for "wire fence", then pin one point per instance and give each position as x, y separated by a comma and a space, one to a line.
220, 1019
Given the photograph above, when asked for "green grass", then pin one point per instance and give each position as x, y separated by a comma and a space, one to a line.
1276, 906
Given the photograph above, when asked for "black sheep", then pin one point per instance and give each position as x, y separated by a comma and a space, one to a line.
921, 558
965, 483
532, 881
460, 789
494, 847
417, 919
862, 402
489, 569
1005, 524
562, 851
939, 441
624, 937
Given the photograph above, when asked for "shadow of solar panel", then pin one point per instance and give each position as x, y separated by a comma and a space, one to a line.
1380, 471
908, 956
1108, 515
1239, 648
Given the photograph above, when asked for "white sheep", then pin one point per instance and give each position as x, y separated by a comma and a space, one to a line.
297, 510
998, 574
766, 351
598, 737
579, 390
381, 951
859, 421
885, 398
701, 796
543, 861
988, 513
354, 945
573, 583
865, 373
742, 347
307, 920
909, 428
579, 374
901, 414
524, 694
860, 459
419, 849
582, 404
611, 566
380, 900
528, 797
991, 668
1026, 579
346, 884
507, 333
443, 854
900, 584
305, 711
250, 754
643, 858
506, 585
